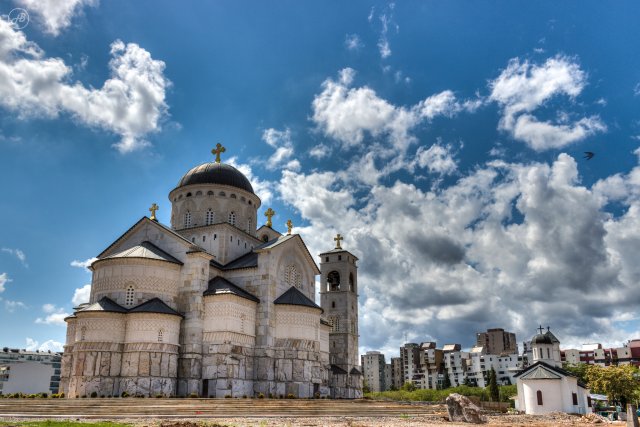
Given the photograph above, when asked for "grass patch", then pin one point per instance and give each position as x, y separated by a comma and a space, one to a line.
440, 395
65, 423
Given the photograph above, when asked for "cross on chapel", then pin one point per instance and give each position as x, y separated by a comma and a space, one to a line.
289, 226
219, 149
337, 240
269, 213
153, 210
540, 328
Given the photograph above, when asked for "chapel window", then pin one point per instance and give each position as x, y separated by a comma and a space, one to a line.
539, 395
249, 201
233, 196
574, 396
222, 194
209, 217
160, 335
204, 238
188, 194
209, 193
128, 299
83, 333
187, 219
198, 193
333, 304
232, 218
336, 324
265, 238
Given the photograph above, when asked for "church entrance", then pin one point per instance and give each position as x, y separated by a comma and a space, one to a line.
205, 388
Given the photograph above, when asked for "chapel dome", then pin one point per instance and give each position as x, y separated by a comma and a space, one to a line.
216, 173
541, 339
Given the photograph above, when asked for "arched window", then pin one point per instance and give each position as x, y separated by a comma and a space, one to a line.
539, 395
221, 194
333, 304
209, 193
160, 335
335, 325
249, 225
209, 218
188, 194
232, 218
198, 193
574, 397
351, 285
548, 353
128, 299
83, 333
333, 281
187, 219
233, 196
265, 238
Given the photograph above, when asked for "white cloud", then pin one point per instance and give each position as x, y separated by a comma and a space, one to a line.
522, 88
56, 15
18, 254
437, 159
281, 141
320, 151
353, 42
81, 295
55, 315
12, 306
83, 264
260, 187
130, 104
49, 345
383, 42
4, 279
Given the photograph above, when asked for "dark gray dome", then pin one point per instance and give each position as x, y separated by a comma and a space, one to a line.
541, 339
216, 173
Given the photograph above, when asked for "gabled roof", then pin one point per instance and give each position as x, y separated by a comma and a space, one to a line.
248, 260
355, 371
293, 296
221, 286
335, 251
284, 239
338, 370
542, 370
144, 219
105, 304
155, 305
147, 250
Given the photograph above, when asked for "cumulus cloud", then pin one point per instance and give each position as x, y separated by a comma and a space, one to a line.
260, 187
130, 104
437, 159
507, 245
18, 254
83, 264
81, 295
55, 15
12, 306
523, 87
353, 42
281, 141
49, 345
54, 315
4, 279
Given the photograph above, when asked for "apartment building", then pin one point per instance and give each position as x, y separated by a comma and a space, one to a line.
29, 372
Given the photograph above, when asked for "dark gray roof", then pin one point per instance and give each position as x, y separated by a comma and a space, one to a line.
216, 173
337, 251
541, 339
155, 305
147, 250
355, 371
275, 242
540, 363
293, 296
338, 370
220, 286
247, 260
105, 304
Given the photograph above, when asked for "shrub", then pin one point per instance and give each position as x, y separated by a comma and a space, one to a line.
124, 394
270, 395
159, 396
244, 396
193, 395
94, 394
43, 395
316, 395
61, 395
32, 396
290, 396
260, 396
281, 396
84, 396
227, 396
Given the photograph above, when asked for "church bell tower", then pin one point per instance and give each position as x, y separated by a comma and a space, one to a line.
339, 300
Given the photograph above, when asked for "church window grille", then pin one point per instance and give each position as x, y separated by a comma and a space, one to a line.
128, 299
209, 217
160, 335
232, 218
233, 196
335, 325
83, 333
187, 219
249, 225
539, 396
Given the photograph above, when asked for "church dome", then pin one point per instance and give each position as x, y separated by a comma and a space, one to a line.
541, 339
216, 173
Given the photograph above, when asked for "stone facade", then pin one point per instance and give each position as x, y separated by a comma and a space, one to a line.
213, 307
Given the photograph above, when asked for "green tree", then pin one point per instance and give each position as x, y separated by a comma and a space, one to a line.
408, 386
619, 383
468, 382
447, 382
579, 370
494, 391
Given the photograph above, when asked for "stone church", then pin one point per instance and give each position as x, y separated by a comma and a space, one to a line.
215, 306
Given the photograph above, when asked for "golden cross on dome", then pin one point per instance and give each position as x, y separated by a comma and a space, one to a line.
337, 240
289, 226
219, 149
153, 210
269, 213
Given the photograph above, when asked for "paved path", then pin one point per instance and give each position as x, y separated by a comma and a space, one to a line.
118, 408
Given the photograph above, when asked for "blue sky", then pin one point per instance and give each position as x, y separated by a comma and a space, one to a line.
444, 139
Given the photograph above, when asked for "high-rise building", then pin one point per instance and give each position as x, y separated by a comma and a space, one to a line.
497, 341
373, 367
29, 372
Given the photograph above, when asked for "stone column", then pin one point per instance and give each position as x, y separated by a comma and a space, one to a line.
194, 281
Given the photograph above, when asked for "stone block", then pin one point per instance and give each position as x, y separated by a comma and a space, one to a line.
291, 354
154, 364
89, 364
173, 365
105, 365
164, 365
143, 364
298, 370
284, 370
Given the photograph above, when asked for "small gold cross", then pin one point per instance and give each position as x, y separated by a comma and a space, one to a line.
153, 210
289, 226
337, 240
219, 149
269, 213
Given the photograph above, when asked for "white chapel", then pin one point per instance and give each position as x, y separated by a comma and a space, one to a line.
213, 305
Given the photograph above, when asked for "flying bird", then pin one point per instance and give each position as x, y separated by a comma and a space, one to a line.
589, 155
